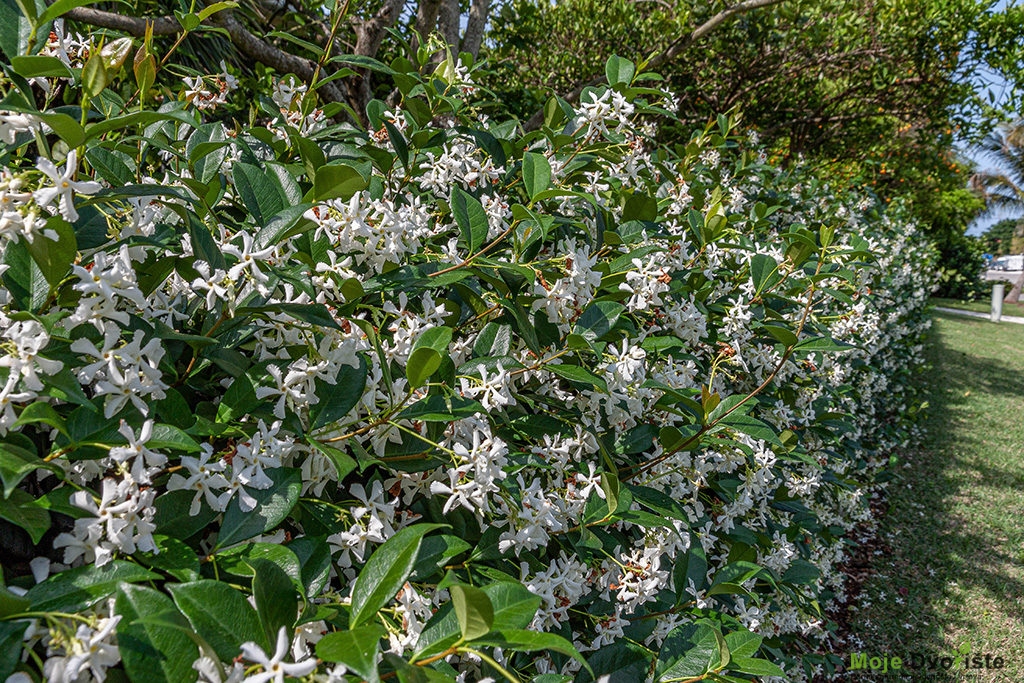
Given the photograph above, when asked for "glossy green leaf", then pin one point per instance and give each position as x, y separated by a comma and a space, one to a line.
276, 600
536, 173
473, 609
336, 400
54, 258
689, 651
257, 191
20, 509
514, 608
386, 571
272, 505
337, 181
356, 649
422, 363
220, 614
151, 652
471, 218
75, 589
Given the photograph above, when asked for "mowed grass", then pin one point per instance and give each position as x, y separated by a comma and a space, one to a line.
949, 570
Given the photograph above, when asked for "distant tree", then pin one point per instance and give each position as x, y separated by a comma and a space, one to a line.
1002, 187
998, 238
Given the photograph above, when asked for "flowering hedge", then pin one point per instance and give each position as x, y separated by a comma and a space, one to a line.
435, 400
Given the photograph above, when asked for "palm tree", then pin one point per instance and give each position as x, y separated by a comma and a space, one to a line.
1003, 188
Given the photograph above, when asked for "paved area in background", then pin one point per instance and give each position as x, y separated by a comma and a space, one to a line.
974, 314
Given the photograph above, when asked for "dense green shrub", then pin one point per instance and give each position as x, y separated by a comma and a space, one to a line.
435, 400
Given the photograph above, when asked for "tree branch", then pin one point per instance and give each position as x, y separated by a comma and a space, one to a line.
248, 44
133, 26
668, 54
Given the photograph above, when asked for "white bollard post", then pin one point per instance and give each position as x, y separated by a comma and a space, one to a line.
997, 301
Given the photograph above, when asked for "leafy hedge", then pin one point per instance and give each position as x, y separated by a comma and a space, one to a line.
436, 400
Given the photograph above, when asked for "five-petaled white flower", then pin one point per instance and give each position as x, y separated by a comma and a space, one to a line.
64, 186
273, 668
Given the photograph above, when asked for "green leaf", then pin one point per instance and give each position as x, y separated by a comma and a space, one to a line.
622, 661
338, 399
314, 556
16, 463
356, 649
619, 70
342, 461
422, 363
751, 426
521, 640
54, 258
34, 66
20, 509
782, 334
11, 637
474, 611
435, 551
172, 438
238, 560
144, 68
111, 166
823, 344
23, 279
743, 643
756, 667
471, 218
75, 589
314, 314
172, 515
275, 596
764, 271
536, 173
175, 557
802, 572
60, 8
690, 568
514, 608
437, 338
94, 75
441, 408
280, 225
598, 318
272, 505
337, 181
386, 571
11, 603
257, 191
206, 150
151, 652
215, 7
220, 615
575, 373
689, 651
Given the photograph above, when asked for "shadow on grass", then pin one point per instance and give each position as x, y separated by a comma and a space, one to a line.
934, 554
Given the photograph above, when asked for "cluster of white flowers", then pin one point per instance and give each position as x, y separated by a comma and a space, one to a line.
586, 392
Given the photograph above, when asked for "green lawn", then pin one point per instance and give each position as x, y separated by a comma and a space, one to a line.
948, 569
982, 306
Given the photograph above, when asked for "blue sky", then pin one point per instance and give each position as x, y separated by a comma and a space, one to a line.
987, 81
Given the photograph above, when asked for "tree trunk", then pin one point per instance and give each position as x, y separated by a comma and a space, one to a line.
1014, 296
426, 20
448, 24
474, 35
